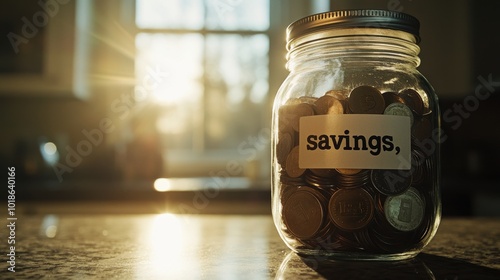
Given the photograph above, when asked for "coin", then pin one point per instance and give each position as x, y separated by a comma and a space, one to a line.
391, 182
292, 163
337, 94
284, 178
303, 213
329, 105
294, 101
319, 182
341, 96
366, 100
290, 114
285, 144
286, 190
357, 179
285, 118
376, 211
325, 173
346, 171
392, 97
351, 209
422, 128
418, 167
307, 99
405, 212
301, 110
399, 109
413, 99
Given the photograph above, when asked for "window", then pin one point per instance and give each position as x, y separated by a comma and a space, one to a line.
214, 96
214, 58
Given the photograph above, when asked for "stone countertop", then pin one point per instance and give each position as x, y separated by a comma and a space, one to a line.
173, 246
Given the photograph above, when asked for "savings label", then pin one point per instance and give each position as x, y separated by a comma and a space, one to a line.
357, 141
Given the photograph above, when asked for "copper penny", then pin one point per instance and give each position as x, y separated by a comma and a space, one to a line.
366, 100
324, 173
299, 111
351, 209
329, 105
422, 129
284, 146
292, 163
413, 99
303, 213
286, 116
392, 97
307, 99
337, 94
290, 114
346, 171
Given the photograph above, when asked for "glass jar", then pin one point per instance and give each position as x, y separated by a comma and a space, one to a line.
355, 139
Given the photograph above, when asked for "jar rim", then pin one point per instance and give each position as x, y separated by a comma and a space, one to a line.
342, 19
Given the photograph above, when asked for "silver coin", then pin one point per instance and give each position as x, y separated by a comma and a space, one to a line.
399, 109
405, 212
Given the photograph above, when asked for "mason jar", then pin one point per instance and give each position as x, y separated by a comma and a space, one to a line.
355, 139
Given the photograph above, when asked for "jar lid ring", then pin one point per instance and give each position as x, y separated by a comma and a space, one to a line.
383, 19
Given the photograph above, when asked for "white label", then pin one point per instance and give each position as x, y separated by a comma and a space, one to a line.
355, 141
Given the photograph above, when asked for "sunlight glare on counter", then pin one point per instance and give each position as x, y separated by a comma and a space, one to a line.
168, 238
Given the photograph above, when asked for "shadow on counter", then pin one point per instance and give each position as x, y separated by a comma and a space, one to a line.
424, 266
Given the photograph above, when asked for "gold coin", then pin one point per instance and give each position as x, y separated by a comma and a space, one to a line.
292, 163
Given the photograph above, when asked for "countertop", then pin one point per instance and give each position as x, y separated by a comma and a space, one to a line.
177, 246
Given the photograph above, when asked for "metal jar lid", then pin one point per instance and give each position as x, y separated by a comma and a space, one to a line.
381, 19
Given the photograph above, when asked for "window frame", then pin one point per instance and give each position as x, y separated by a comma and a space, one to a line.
281, 14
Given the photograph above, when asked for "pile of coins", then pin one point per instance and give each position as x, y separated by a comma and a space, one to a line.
376, 211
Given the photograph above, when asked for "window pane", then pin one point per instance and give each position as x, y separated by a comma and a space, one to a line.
237, 86
237, 14
170, 68
175, 14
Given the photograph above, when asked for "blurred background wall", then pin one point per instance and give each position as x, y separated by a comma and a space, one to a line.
131, 91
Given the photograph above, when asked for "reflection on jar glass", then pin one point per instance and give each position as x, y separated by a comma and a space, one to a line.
356, 139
